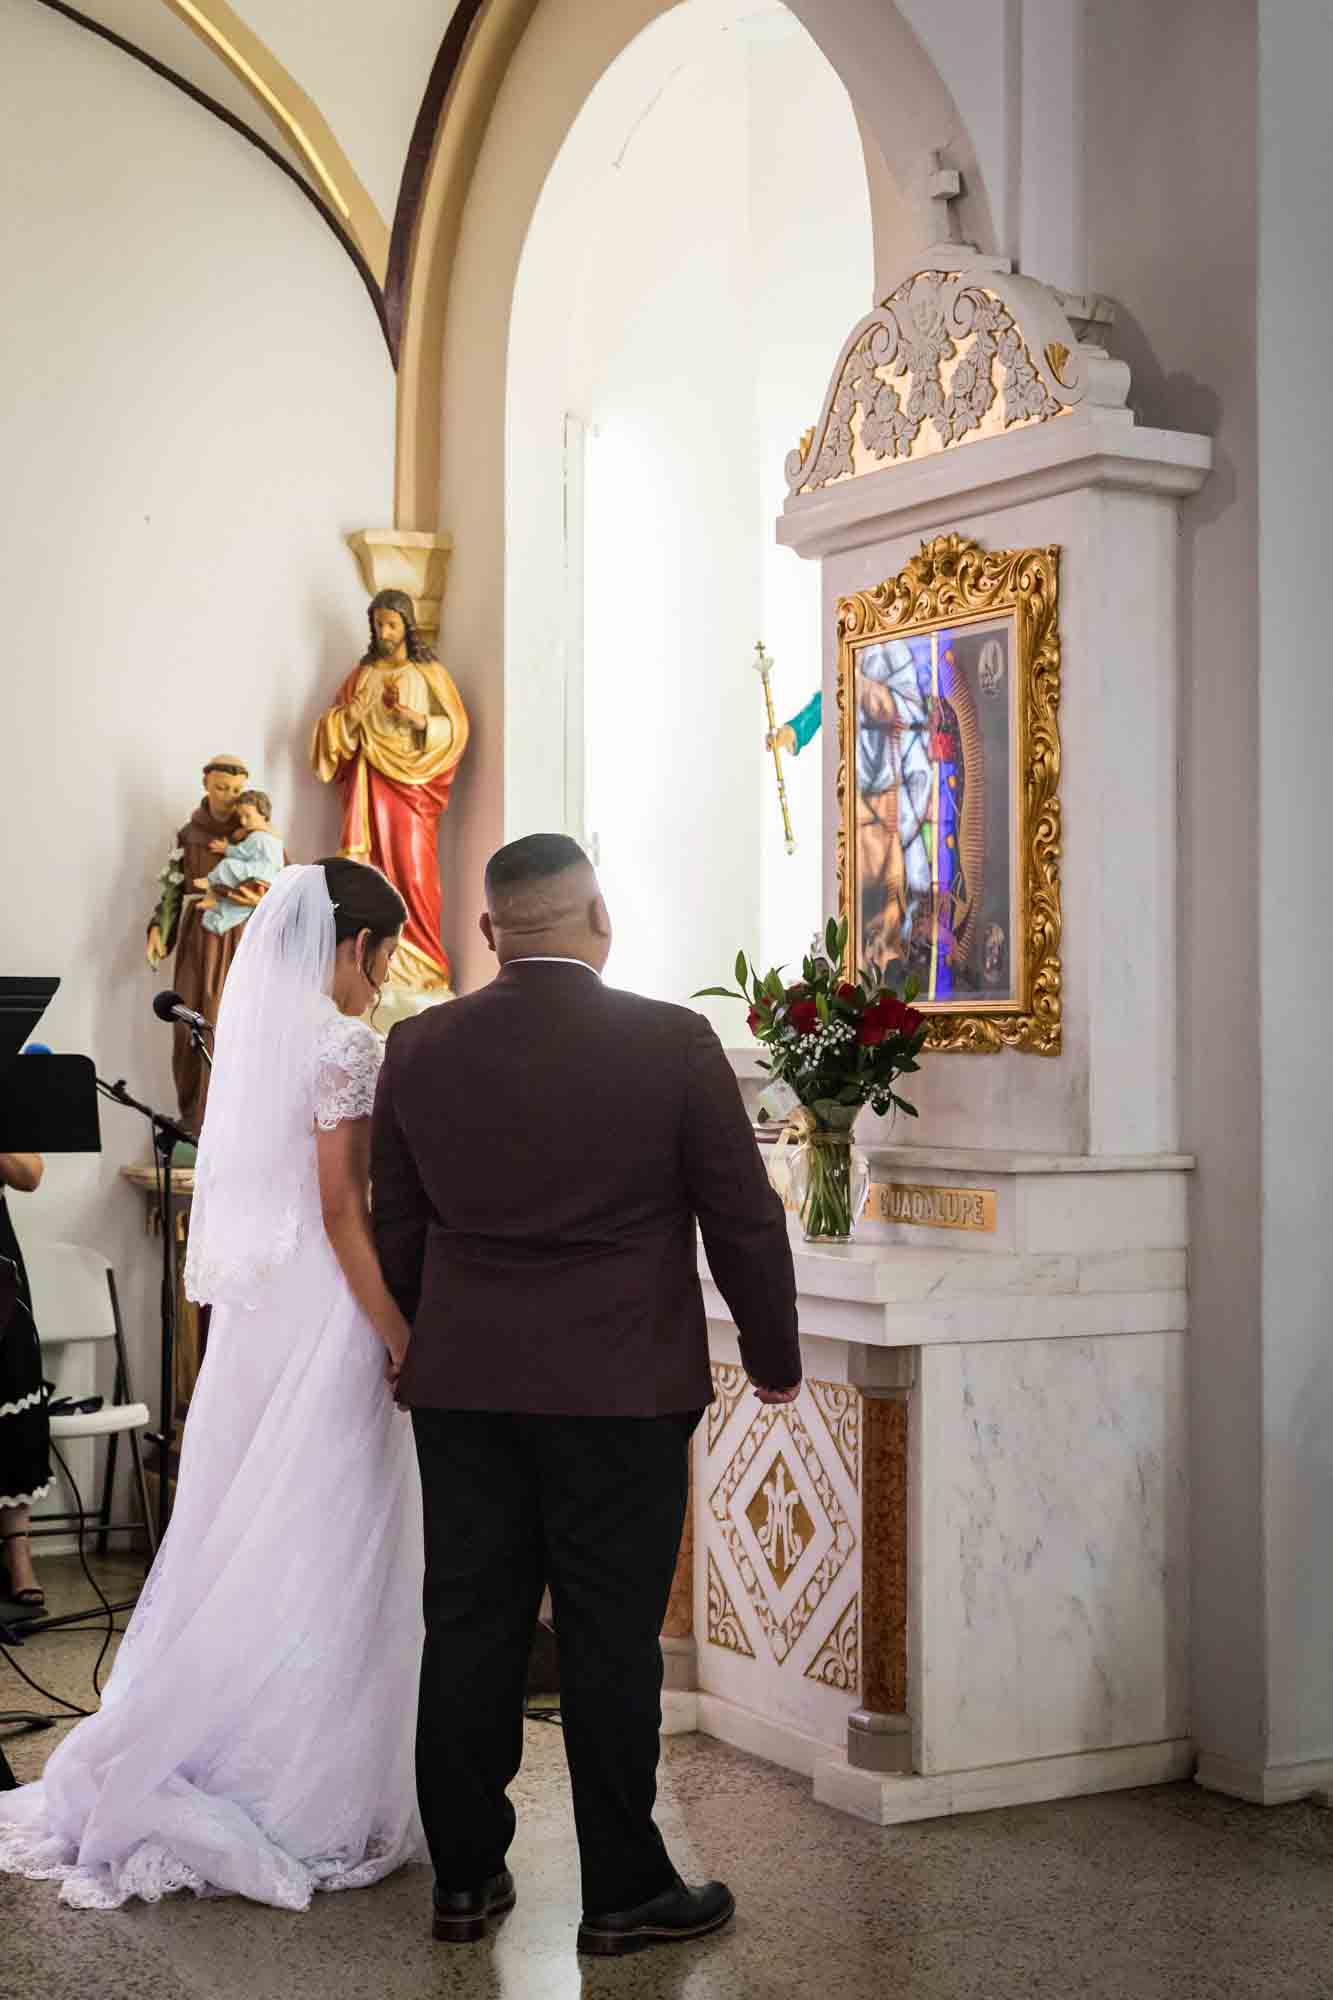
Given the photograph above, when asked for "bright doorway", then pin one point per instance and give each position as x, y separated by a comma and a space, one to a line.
701, 246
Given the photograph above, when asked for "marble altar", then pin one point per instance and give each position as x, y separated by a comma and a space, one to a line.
953, 1575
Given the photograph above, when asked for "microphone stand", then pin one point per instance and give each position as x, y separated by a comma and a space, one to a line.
167, 1134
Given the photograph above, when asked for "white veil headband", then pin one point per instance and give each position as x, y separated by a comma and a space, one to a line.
255, 1184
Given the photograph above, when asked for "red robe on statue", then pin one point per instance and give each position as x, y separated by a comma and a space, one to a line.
395, 781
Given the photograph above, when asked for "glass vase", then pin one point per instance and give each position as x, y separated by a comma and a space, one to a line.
830, 1185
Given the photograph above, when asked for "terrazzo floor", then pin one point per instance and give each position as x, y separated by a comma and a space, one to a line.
1168, 1894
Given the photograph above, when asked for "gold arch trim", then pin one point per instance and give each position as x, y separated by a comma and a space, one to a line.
297, 118
455, 150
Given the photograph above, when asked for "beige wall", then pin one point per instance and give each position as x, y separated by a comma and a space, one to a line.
1171, 237
1296, 933
198, 404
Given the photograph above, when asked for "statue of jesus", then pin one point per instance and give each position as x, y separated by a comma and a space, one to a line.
393, 740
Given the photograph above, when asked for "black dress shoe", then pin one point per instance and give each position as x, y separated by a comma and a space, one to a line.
674, 1917
461, 1915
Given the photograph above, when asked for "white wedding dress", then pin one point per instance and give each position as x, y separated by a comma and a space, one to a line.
256, 1733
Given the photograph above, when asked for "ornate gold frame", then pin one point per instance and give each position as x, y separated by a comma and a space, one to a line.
951, 580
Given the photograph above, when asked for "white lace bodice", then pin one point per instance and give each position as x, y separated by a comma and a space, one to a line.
237, 1244
350, 1054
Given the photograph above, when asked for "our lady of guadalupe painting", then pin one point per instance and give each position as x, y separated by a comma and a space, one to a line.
949, 854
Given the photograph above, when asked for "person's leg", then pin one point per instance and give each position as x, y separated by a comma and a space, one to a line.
613, 1493
16, 1554
483, 1583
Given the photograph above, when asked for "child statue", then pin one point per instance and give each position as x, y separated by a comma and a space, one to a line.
255, 854
177, 924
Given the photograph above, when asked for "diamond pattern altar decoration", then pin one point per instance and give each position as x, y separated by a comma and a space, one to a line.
724, 1626
840, 1407
783, 1524
730, 1385
837, 1664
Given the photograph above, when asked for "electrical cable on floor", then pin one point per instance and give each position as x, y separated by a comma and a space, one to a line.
98, 1591
44, 1721
7, 1651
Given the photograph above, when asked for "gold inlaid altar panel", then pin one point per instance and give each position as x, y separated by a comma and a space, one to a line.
948, 790
781, 1521
778, 1517
780, 1530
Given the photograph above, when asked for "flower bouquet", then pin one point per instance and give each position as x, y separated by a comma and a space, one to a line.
836, 1044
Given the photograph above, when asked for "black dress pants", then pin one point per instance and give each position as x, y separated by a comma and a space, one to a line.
595, 1506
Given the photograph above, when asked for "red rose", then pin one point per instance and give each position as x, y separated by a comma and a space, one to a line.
847, 993
804, 1017
759, 1017
798, 992
884, 1017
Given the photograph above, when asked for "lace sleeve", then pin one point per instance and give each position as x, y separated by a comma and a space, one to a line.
350, 1054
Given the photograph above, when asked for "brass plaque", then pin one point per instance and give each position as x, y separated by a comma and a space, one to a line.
932, 1207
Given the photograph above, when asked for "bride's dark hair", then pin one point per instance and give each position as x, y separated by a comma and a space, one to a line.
363, 900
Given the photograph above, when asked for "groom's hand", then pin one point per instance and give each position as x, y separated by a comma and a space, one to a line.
775, 1395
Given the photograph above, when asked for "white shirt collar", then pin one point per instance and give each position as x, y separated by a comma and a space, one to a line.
553, 958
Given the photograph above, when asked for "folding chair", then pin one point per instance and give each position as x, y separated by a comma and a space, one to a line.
75, 1304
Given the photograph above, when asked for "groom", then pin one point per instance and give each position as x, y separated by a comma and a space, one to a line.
542, 1152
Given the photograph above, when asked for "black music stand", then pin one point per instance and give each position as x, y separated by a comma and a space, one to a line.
48, 1104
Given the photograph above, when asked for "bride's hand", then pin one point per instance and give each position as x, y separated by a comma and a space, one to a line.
393, 1368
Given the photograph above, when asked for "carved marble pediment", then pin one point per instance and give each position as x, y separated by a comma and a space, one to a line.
961, 350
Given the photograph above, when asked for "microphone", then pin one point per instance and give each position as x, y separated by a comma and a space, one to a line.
170, 1007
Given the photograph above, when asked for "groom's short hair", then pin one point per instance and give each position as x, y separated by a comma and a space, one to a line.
530, 860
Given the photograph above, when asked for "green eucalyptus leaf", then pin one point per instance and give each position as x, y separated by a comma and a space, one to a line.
716, 993
742, 969
831, 938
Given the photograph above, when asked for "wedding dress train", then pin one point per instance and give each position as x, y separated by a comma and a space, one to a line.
256, 1733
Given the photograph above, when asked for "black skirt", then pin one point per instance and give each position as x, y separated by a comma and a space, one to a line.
25, 1435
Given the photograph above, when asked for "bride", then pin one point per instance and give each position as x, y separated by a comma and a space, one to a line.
256, 1733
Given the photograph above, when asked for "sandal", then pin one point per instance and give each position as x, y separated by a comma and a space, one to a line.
32, 1597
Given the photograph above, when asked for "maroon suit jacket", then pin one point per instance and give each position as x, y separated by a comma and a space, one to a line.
542, 1150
